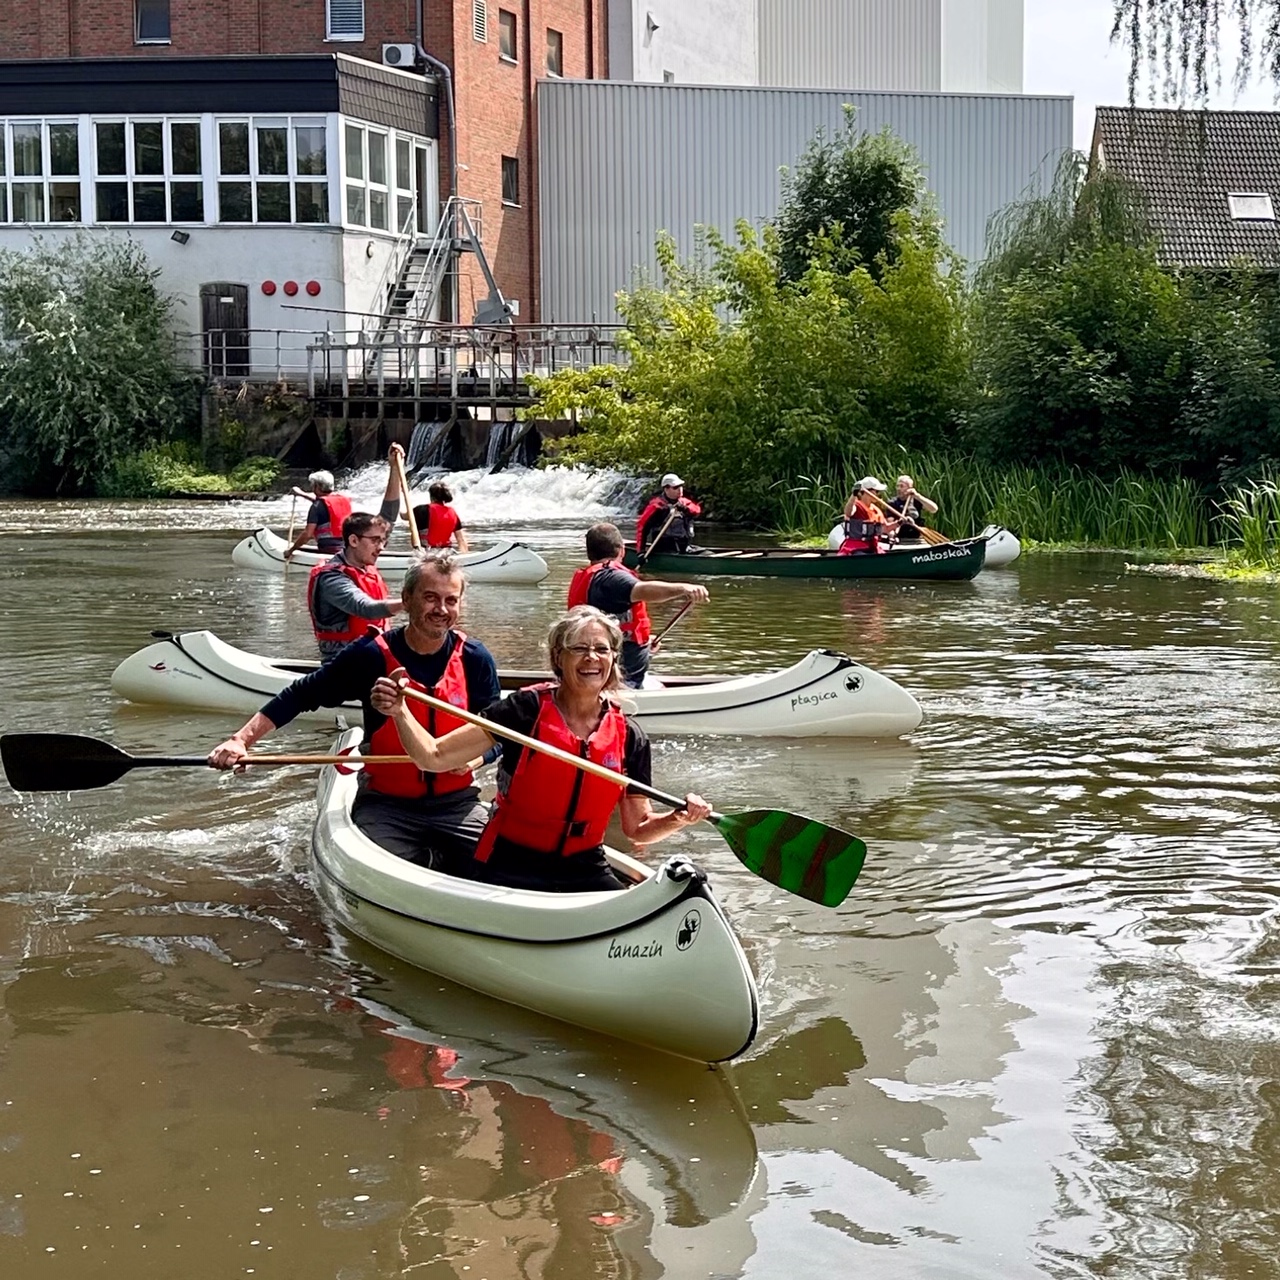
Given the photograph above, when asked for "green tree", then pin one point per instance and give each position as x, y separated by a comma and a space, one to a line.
87, 367
1080, 337
847, 193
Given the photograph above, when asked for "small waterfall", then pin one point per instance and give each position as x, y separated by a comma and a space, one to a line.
427, 445
518, 495
501, 435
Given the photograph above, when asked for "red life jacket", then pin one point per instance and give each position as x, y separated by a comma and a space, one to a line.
339, 508
407, 780
659, 508
368, 580
550, 806
442, 523
635, 622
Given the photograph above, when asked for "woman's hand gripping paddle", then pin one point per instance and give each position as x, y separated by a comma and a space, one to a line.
804, 857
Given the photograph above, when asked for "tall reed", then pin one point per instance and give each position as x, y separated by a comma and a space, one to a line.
1054, 505
1251, 523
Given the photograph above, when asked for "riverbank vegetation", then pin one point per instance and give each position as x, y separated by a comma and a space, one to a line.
94, 400
1073, 388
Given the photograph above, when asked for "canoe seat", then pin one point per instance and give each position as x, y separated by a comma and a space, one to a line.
711, 555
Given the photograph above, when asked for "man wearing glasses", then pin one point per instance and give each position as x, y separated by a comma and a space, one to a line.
347, 595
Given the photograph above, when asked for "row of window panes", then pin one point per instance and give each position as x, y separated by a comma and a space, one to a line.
368, 191
150, 157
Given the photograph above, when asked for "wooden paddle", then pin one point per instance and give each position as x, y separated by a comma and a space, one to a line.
931, 536
643, 555
807, 858
684, 608
414, 537
73, 762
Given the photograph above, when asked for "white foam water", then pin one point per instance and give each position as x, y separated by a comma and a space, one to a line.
515, 495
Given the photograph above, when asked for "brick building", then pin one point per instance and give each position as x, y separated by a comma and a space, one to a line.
254, 145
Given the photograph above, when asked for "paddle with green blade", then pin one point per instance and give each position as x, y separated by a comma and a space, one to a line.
799, 854
74, 762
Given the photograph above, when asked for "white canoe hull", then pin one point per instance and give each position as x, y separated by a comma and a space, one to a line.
1002, 546
657, 964
503, 562
825, 694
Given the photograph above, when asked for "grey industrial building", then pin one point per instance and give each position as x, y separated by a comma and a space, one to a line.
620, 162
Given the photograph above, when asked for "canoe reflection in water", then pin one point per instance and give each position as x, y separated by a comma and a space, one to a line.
570, 1154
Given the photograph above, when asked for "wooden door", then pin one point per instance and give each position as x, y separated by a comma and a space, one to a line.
224, 324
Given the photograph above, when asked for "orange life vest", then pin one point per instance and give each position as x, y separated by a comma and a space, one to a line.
338, 507
862, 529
368, 580
635, 622
407, 780
550, 806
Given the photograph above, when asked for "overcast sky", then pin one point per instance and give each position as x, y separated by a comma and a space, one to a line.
1069, 51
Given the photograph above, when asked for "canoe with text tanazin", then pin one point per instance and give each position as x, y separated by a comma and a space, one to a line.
657, 964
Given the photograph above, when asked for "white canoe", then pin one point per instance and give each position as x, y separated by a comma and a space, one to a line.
657, 964
825, 694
1002, 546
503, 562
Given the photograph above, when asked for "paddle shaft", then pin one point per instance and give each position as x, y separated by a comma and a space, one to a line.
684, 608
293, 512
929, 535
642, 552
566, 757
415, 538
180, 762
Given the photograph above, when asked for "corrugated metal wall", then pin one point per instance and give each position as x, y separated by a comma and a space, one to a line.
873, 44
620, 162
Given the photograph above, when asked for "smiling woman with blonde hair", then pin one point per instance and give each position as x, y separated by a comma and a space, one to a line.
549, 819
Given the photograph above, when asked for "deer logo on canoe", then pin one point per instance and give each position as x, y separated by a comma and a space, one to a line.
688, 930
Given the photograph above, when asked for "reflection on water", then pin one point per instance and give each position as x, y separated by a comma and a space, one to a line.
1038, 1040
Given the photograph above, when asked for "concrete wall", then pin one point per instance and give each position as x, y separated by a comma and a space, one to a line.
622, 162
707, 42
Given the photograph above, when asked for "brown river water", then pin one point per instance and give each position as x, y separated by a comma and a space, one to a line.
1039, 1039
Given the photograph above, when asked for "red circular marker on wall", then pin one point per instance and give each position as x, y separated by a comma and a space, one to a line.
291, 287
313, 287
268, 287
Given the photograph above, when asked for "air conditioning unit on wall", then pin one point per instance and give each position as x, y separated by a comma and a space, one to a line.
399, 55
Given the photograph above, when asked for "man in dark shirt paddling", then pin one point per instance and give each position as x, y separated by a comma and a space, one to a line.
439, 826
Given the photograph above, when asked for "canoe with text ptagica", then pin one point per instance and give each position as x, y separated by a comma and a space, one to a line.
657, 964
823, 695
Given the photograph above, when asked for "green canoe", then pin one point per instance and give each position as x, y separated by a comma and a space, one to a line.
944, 562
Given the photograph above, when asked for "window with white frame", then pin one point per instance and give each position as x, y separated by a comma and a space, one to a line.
147, 171
344, 20
151, 21
272, 170
510, 180
377, 178
506, 35
40, 171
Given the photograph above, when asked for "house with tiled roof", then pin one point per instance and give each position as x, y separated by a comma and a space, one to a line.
1211, 179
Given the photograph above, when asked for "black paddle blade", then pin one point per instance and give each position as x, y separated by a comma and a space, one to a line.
72, 762
804, 857
60, 761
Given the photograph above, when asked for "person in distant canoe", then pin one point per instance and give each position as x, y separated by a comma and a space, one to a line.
347, 595
439, 525
549, 819
434, 821
912, 507
672, 505
610, 587
865, 522
324, 517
